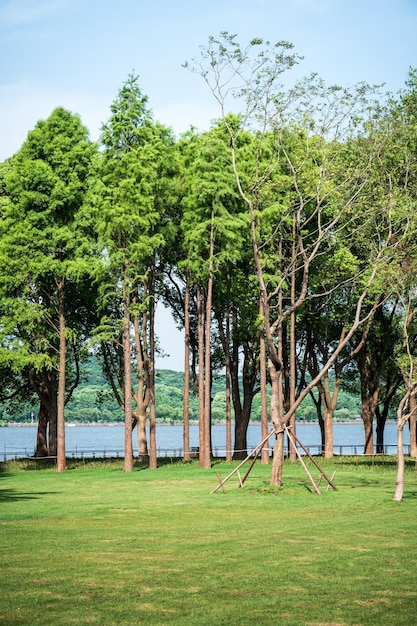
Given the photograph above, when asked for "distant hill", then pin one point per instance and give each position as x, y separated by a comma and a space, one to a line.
93, 401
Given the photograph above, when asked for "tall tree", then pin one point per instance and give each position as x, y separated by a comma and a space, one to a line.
211, 224
41, 261
130, 213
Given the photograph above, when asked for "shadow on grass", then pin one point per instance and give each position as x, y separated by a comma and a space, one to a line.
13, 495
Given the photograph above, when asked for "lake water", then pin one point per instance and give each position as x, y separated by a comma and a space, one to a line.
108, 441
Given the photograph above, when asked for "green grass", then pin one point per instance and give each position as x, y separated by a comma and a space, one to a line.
94, 545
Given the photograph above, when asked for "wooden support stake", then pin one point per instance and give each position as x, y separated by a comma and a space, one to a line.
290, 437
220, 482
251, 465
329, 480
244, 460
240, 479
333, 475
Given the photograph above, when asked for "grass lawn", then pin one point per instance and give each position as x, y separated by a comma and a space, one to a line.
94, 545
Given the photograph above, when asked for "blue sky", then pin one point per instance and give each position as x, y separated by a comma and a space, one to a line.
77, 53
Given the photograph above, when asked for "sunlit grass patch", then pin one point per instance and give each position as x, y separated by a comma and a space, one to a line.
156, 547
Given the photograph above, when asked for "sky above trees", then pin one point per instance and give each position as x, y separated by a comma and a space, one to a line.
77, 54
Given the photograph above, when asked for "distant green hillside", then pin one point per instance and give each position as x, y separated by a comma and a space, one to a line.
93, 402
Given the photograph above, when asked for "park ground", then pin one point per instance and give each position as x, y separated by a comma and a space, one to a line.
94, 545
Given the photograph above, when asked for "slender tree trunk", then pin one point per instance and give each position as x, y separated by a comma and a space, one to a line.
153, 462
228, 413
61, 456
381, 419
143, 453
399, 484
264, 401
186, 391
277, 420
207, 379
367, 418
277, 404
243, 409
292, 451
228, 377
329, 404
328, 432
128, 460
201, 395
412, 426
205, 454
142, 393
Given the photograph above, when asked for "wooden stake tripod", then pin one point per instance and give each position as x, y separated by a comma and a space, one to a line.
293, 439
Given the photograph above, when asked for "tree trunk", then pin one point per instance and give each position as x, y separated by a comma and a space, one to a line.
241, 430
45, 388
206, 462
201, 395
292, 451
277, 420
264, 402
228, 377
186, 391
381, 419
399, 484
153, 461
367, 418
243, 409
142, 392
143, 454
128, 460
41, 449
369, 375
277, 460
61, 456
328, 433
412, 426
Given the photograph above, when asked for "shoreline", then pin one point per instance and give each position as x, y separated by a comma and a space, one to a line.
168, 425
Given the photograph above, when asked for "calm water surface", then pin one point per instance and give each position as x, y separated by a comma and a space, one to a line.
109, 440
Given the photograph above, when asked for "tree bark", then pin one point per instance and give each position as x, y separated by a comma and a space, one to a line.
153, 460
41, 449
228, 376
369, 375
292, 452
44, 385
277, 420
201, 395
186, 390
381, 418
128, 460
264, 401
412, 426
61, 457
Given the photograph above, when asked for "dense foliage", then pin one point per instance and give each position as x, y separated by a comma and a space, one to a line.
283, 240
